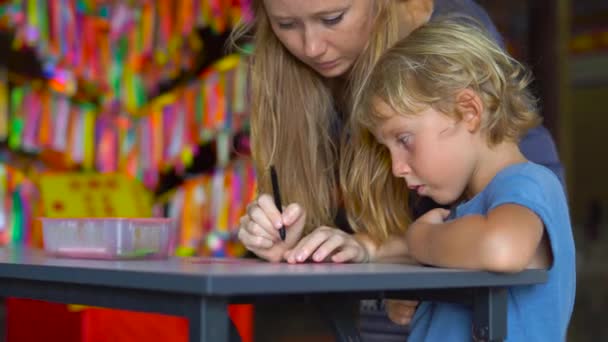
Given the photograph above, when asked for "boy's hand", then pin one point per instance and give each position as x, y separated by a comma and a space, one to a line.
417, 231
400, 311
435, 216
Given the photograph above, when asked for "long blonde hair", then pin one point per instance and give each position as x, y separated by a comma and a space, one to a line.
429, 68
293, 112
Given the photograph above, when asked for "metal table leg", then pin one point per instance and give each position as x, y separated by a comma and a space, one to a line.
342, 316
490, 314
208, 320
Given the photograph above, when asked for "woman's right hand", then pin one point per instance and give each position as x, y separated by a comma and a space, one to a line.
259, 228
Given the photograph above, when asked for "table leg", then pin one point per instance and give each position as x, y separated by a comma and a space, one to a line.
208, 320
490, 314
342, 316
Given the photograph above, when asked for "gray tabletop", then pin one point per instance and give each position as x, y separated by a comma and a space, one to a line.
230, 277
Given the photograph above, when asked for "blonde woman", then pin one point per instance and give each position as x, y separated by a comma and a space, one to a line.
310, 58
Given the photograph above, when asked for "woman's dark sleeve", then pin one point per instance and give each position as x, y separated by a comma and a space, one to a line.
538, 147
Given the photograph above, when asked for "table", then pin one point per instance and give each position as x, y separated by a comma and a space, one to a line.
201, 289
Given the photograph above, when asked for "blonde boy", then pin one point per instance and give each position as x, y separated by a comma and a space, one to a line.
450, 106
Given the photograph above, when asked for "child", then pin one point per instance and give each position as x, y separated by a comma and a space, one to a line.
450, 106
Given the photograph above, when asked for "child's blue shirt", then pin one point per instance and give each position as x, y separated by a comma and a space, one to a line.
536, 312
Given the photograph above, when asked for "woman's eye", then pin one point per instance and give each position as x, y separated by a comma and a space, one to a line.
333, 20
285, 25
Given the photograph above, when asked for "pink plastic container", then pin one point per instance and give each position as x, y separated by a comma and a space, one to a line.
109, 238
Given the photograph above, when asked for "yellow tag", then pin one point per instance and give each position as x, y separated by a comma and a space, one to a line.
187, 156
227, 63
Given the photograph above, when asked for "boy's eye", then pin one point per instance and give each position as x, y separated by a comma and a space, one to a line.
405, 140
333, 20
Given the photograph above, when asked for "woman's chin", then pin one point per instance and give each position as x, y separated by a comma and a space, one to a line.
335, 71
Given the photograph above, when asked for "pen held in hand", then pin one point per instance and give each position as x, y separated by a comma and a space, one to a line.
277, 197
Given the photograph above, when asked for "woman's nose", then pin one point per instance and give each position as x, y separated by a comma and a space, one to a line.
314, 44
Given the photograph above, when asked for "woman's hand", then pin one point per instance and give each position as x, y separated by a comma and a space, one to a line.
328, 244
400, 311
259, 229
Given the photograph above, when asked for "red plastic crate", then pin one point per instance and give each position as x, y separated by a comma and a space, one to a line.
56, 323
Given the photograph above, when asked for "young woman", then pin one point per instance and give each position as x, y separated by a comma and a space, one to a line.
310, 57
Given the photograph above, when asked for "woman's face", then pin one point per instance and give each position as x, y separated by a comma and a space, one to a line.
327, 35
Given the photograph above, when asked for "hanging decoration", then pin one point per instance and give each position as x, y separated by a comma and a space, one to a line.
208, 209
164, 134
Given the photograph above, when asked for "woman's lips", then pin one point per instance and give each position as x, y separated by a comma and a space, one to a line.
327, 65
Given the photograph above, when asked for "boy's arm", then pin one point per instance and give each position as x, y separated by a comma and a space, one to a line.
505, 240
394, 249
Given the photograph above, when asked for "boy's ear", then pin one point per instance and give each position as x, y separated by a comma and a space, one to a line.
469, 104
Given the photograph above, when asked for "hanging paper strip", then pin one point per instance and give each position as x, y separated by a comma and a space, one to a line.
109, 42
88, 124
208, 209
164, 135
61, 122
17, 120
19, 198
4, 105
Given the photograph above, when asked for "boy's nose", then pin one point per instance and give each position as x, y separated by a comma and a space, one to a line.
401, 168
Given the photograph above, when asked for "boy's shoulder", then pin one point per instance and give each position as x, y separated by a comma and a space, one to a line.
527, 168
524, 173
527, 184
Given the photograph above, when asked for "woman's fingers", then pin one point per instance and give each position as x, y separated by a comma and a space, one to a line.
333, 242
260, 224
292, 213
349, 254
304, 248
326, 243
254, 229
266, 203
258, 230
252, 241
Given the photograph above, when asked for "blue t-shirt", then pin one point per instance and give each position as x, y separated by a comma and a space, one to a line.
536, 312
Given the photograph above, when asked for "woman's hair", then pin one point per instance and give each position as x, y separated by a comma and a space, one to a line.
427, 69
294, 117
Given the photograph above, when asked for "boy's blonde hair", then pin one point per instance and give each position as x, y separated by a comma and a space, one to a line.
293, 115
432, 65
429, 68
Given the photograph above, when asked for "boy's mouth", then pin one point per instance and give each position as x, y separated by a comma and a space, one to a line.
417, 188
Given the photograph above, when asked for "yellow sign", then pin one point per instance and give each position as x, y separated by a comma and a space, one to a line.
93, 195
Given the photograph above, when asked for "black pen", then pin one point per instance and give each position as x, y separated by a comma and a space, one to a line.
277, 197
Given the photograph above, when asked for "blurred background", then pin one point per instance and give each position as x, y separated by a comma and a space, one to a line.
106, 102
565, 43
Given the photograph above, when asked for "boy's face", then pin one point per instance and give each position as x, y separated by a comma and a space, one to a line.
433, 152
